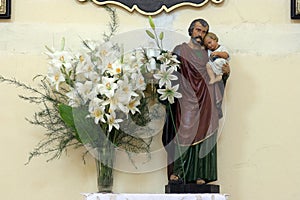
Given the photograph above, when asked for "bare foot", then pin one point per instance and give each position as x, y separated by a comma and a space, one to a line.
175, 180
200, 181
218, 78
173, 177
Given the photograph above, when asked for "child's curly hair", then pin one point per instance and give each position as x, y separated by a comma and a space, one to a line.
212, 36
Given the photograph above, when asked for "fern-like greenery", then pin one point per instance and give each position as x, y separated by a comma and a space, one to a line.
113, 24
58, 136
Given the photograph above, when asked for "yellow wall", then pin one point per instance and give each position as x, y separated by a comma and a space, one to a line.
257, 149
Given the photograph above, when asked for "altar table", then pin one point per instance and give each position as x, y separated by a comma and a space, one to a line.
110, 196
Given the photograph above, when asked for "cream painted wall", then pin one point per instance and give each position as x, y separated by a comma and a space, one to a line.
257, 149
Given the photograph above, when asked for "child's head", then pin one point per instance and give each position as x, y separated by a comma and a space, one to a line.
211, 41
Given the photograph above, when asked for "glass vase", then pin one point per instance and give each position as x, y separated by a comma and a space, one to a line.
104, 177
104, 166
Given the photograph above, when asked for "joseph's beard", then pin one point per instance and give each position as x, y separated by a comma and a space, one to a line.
196, 41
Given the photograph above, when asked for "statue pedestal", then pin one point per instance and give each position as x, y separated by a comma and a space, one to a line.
192, 188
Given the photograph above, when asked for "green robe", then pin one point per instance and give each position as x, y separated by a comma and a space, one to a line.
194, 167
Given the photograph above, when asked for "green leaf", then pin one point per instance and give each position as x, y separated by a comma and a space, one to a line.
150, 34
151, 23
85, 129
66, 114
50, 50
88, 131
161, 36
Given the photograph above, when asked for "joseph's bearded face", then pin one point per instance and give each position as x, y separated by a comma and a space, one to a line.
199, 33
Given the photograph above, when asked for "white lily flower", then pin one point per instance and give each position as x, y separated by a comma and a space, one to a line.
118, 102
108, 86
169, 93
165, 76
97, 110
132, 106
138, 82
107, 54
84, 90
112, 121
61, 58
55, 77
124, 86
114, 103
94, 77
169, 59
115, 68
85, 66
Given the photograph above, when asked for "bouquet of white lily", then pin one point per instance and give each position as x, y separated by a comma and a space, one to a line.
88, 93
110, 84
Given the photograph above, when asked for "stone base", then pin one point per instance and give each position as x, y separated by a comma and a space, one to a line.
192, 188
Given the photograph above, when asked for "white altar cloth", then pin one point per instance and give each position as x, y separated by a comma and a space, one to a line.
110, 196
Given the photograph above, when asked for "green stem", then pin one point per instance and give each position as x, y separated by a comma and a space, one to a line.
156, 40
161, 43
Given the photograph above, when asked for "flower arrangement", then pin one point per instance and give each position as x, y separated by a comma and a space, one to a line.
108, 84
87, 94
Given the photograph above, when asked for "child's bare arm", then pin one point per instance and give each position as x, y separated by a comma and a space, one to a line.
220, 54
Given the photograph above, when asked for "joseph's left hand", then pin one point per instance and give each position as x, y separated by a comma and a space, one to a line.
226, 68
